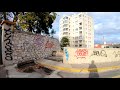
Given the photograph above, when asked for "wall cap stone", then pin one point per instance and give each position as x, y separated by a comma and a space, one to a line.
8, 22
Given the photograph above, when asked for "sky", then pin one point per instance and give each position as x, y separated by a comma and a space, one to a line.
106, 24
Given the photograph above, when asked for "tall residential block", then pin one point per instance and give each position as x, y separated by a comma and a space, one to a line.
78, 28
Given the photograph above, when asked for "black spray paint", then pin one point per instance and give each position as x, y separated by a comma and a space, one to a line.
117, 54
8, 46
101, 53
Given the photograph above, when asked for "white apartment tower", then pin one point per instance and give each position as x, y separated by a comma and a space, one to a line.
78, 28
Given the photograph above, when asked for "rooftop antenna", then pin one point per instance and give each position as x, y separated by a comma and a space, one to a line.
104, 40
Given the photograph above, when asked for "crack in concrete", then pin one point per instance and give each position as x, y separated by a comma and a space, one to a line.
58, 73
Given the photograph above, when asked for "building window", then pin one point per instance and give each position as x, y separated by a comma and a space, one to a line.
65, 25
65, 18
65, 33
76, 29
80, 37
76, 37
76, 45
80, 27
80, 41
80, 45
80, 23
80, 32
65, 29
76, 41
65, 21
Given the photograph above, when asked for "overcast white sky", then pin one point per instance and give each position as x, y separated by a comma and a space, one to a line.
106, 24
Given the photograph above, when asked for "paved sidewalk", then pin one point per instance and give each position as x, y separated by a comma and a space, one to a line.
13, 73
3, 72
101, 67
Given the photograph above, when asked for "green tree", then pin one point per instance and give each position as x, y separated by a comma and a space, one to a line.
37, 22
64, 42
9, 16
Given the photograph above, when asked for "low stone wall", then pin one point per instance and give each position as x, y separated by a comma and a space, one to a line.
21, 46
83, 55
30, 46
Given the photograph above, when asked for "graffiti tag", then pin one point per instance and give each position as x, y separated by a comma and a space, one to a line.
38, 40
99, 53
8, 46
49, 44
67, 54
81, 53
117, 54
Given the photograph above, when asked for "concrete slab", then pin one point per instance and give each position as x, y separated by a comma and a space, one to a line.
101, 67
13, 73
53, 75
3, 73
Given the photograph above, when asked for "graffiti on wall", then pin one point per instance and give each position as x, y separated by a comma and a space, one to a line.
35, 47
116, 54
66, 54
49, 44
81, 53
8, 46
38, 40
101, 53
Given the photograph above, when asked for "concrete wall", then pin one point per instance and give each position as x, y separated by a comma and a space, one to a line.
83, 55
21, 46
7, 44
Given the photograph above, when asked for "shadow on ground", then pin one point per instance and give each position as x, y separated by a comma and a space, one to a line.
93, 70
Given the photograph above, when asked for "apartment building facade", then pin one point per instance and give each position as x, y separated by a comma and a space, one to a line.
78, 28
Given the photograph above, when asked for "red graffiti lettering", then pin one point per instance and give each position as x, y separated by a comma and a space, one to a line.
81, 53
49, 44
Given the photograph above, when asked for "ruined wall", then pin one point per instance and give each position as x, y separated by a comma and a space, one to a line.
21, 46
84, 55
28, 46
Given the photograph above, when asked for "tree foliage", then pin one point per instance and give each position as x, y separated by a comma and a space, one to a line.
64, 42
52, 32
36, 22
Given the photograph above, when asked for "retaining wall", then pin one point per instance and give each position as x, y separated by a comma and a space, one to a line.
84, 55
